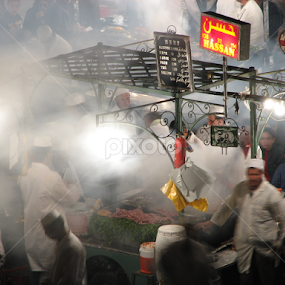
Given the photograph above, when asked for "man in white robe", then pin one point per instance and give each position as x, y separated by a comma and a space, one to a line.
257, 237
42, 190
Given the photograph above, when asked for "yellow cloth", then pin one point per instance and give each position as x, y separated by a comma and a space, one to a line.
171, 192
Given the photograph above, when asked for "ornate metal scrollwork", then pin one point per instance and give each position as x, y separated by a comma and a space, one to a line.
144, 47
243, 133
281, 77
171, 29
109, 93
271, 89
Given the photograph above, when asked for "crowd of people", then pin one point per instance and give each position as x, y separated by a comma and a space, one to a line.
67, 23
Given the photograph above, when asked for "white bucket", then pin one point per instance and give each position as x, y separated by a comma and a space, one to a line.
166, 235
147, 257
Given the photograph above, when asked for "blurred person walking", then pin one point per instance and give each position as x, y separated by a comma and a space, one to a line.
68, 267
42, 190
186, 262
257, 238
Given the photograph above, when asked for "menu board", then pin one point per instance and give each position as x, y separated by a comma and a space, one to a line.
174, 63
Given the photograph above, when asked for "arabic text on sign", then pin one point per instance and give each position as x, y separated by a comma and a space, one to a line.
219, 27
220, 36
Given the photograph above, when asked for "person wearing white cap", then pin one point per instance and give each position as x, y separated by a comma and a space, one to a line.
257, 237
42, 190
122, 99
69, 264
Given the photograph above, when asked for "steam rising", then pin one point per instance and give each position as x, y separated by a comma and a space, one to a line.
100, 177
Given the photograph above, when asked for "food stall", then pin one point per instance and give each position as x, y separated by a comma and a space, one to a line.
113, 259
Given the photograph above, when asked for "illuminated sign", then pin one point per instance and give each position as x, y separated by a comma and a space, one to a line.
282, 41
224, 35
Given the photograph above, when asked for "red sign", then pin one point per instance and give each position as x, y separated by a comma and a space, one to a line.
282, 41
220, 36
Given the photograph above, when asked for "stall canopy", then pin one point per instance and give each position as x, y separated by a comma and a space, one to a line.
137, 70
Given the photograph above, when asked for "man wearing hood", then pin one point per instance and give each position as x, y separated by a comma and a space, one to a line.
35, 16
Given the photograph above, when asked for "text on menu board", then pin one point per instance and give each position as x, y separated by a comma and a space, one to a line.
174, 63
220, 36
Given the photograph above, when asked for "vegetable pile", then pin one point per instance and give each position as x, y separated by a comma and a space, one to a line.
114, 229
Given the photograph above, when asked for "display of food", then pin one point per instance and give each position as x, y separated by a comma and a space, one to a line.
140, 217
128, 227
104, 213
121, 231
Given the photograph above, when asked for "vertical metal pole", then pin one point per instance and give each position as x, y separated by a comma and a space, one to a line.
178, 120
266, 19
101, 94
178, 115
253, 125
225, 69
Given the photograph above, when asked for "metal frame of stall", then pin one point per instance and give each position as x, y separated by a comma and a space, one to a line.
137, 70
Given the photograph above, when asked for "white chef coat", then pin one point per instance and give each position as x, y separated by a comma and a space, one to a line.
256, 227
42, 191
252, 14
69, 176
229, 8
69, 265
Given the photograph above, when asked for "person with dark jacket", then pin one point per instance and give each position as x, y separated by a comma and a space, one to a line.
275, 19
273, 155
278, 179
35, 16
61, 18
